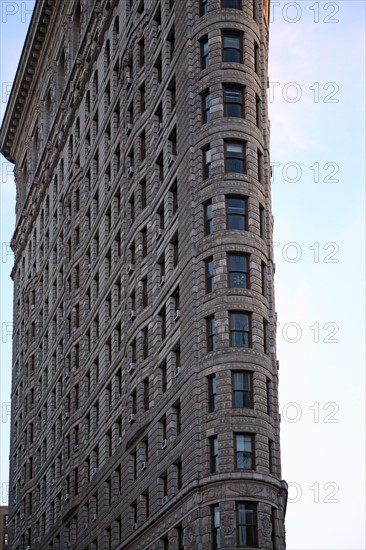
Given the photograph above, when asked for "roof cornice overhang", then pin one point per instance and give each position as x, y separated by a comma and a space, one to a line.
24, 75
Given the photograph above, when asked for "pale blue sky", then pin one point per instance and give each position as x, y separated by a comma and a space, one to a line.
319, 228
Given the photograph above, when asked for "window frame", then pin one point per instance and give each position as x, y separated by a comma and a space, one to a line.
229, 215
204, 55
206, 106
212, 393
231, 272
231, 158
206, 164
214, 454
208, 221
247, 395
203, 7
252, 506
209, 277
251, 453
226, 50
234, 331
211, 334
216, 527
225, 88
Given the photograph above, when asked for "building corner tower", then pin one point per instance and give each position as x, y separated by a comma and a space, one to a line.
145, 380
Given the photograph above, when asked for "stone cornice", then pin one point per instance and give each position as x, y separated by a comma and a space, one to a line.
24, 75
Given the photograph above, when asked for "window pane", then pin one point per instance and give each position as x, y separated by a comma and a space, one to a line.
234, 4
239, 321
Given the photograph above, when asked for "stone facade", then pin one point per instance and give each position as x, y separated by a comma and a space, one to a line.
144, 396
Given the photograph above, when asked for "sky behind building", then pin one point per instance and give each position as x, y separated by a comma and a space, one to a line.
316, 94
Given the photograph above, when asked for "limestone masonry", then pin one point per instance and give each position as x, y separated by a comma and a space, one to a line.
145, 381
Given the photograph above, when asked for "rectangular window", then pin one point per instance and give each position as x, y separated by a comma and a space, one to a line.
162, 317
216, 532
204, 52
238, 270
246, 524
232, 47
244, 451
261, 221
256, 58
175, 251
242, 389
144, 241
258, 111
146, 394
145, 343
210, 275
203, 7
208, 218
207, 165
212, 395
233, 101
214, 454
236, 208
141, 52
240, 333
142, 99
259, 166
235, 153
211, 333
206, 106
265, 336
142, 146
164, 377
145, 297
174, 197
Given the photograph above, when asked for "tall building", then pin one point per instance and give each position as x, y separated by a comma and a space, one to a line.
4, 521
144, 395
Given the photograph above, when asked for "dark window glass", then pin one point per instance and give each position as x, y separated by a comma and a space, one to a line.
216, 532
208, 218
238, 271
203, 7
235, 157
207, 164
206, 105
204, 53
233, 101
232, 45
211, 333
240, 330
212, 396
236, 213
244, 451
242, 389
233, 4
214, 454
246, 524
210, 275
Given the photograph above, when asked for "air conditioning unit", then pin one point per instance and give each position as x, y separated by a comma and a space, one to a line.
131, 367
67, 373
33, 306
131, 418
130, 268
143, 466
76, 448
160, 128
131, 314
87, 149
66, 497
171, 159
158, 233
53, 482
129, 127
107, 364
177, 372
44, 422
52, 446
158, 184
158, 31
128, 83
134, 526
130, 171
28, 547
162, 280
108, 144
86, 526
130, 222
93, 472
119, 441
164, 500
22, 516
119, 494
94, 517
163, 444
66, 416
176, 315
108, 185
